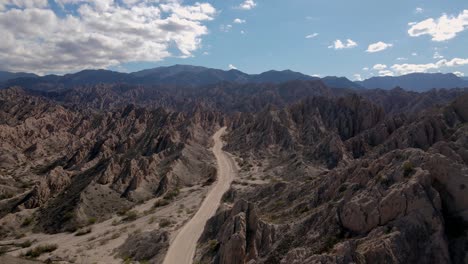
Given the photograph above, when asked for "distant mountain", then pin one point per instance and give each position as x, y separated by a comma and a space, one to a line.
280, 77
415, 82
340, 82
5, 76
177, 75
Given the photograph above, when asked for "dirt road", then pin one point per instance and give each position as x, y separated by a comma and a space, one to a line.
182, 248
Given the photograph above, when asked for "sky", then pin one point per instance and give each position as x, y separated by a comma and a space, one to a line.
355, 39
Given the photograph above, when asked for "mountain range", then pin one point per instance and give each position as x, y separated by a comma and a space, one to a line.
187, 75
222, 167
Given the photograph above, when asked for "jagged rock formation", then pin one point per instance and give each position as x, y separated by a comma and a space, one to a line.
398, 197
87, 163
326, 175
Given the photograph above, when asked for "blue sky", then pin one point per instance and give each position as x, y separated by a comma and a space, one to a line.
271, 35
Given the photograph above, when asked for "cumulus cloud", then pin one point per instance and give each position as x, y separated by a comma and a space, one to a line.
386, 73
407, 68
232, 67
338, 44
357, 77
419, 10
312, 36
100, 34
23, 3
239, 21
247, 4
379, 67
442, 28
378, 46
459, 74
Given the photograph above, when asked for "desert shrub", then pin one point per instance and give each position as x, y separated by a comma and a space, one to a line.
3, 250
164, 223
130, 216
213, 245
161, 203
27, 221
25, 244
408, 169
39, 250
92, 220
172, 194
83, 231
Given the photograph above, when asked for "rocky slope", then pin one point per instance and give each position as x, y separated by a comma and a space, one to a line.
327, 175
402, 200
74, 165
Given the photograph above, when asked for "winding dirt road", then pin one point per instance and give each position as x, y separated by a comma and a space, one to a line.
182, 248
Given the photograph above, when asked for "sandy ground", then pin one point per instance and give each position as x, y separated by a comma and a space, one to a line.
182, 248
99, 245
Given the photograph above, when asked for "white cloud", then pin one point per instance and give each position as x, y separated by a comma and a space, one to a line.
357, 77
365, 69
242, 32
378, 46
459, 74
225, 28
338, 44
414, 54
99, 35
437, 55
312, 36
407, 68
379, 67
239, 21
386, 73
232, 67
419, 10
23, 4
248, 4
442, 28
316, 75
401, 59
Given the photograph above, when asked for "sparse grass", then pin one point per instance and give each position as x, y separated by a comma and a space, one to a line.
39, 250
151, 220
